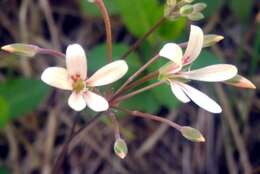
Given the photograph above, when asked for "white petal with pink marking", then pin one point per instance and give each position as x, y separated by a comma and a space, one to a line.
178, 92
96, 102
212, 73
201, 99
194, 46
77, 101
76, 61
57, 77
108, 74
172, 52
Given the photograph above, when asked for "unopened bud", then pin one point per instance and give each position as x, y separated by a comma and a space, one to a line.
198, 7
196, 16
211, 39
241, 82
186, 10
192, 134
21, 49
120, 148
92, 1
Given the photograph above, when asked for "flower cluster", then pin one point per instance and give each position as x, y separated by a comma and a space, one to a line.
178, 71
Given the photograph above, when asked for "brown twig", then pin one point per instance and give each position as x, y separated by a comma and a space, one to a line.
234, 130
63, 153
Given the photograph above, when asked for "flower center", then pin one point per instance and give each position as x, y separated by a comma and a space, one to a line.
78, 84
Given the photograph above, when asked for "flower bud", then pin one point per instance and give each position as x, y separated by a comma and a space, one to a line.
120, 148
186, 10
211, 39
22, 49
196, 16
198, 7
241, 82
192, 134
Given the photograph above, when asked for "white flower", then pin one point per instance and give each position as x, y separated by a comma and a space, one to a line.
75, 78
175, 71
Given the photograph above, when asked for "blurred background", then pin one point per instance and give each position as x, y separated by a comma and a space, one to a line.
35, 119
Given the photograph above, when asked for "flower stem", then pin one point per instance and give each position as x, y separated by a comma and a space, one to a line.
141, 81
150, 117
106, 19
147, 34
139, 41
115, 125
50, 52
138, 91
130, 79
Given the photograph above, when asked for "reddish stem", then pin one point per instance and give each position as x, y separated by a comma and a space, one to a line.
106, 19
150, 117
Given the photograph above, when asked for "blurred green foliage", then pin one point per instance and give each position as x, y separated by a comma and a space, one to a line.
4, 170
19, 97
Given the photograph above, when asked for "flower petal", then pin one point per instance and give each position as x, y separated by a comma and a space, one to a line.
96, 102
194, 46
57, 77
172, 52
178, 92
76, 61
77, 101
201, 99
108, 74
212, 73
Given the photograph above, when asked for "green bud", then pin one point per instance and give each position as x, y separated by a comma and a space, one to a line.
198, 7
192, 134
22, 49
120, 148
196, 16
186, 10
211, 39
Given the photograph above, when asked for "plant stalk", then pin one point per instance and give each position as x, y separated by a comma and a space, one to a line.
138, 91
130, 79
107, 22
150, 117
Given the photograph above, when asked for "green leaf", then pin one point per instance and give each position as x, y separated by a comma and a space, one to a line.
148, 12
4, 170
4, 112
164, 95
23, 95
92, 10
145, 102
192, 134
